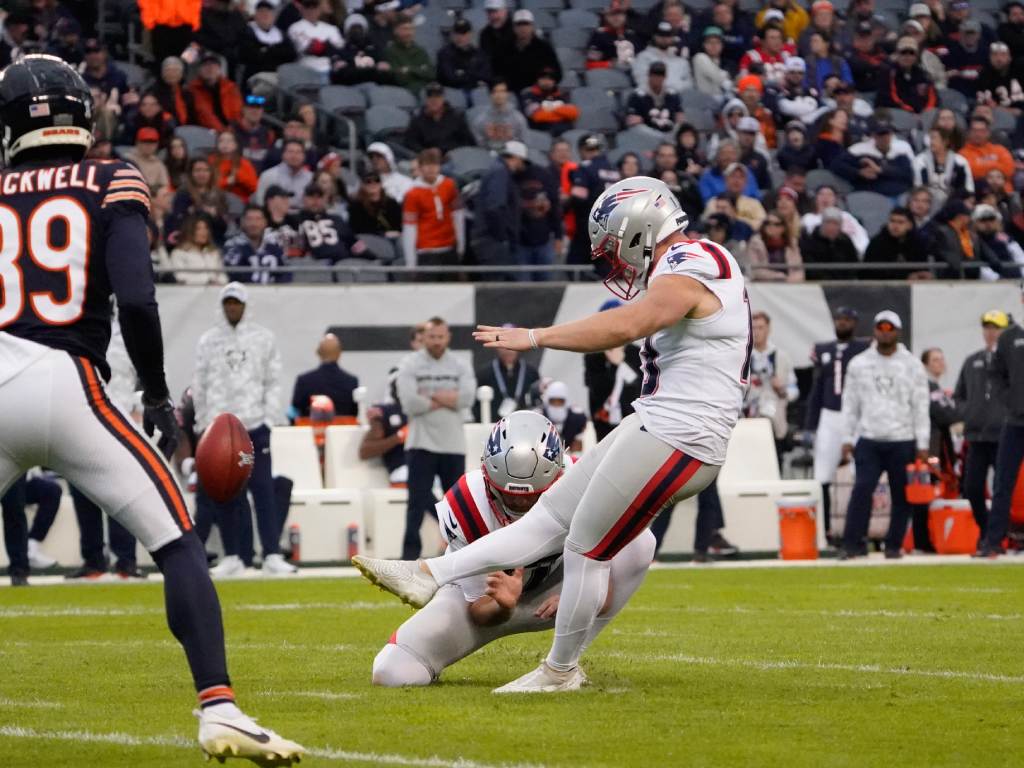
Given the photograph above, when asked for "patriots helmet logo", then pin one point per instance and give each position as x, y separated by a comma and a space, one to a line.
493, 446
553, 445
610, 203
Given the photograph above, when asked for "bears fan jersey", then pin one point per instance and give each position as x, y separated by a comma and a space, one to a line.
61, 248
695, 372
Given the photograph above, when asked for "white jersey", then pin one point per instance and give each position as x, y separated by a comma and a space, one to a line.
695, 372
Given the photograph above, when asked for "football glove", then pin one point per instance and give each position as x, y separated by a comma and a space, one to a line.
159, 415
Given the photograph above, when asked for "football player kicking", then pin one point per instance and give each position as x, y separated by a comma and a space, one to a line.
522, 458
73, 232
694, 318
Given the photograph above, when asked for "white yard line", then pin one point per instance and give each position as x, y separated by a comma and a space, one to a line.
29, 704
845, 613
173, 644
784, 664
47, 611
270, 693
179, 742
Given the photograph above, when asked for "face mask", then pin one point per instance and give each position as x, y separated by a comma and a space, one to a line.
558, 413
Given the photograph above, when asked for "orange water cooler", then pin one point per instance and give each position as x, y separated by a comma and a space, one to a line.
952, 528
798, 530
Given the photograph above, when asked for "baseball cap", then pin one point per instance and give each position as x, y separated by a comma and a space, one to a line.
789, 192
996, 317
312, 190
522, 16
92, 45
748, 125
796, 125
67, 26
910, 26
971, 25
664, 28
434, 89
831, 214
880, 126
999, 46
960, 5
147, 134
865, 28
985, 212
657, 68
822, 5
234, 290
276, 190
888, 316
919, 9
266, 4
750, 81
552, 73
515, 149
591, 141
842, 88
733, 167
773, 14
796, 64
461, 27
209, 57
848, 312
712, 31
719, 220
494, 5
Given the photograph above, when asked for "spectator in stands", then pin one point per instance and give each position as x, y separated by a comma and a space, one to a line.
1001, 82
865, 57
199, 194
385, 438
282, 222
858, 112
748, 208
903, 83
713, 180
613, 380
920, 203
373, 212
823, 23
295, 128
690, 157
327, 238
722, 227
291, 174
826, 197
827, 244
594, 174
497, 38
772, 253
460, 64
944, 414
612, 44
177, 162
789, 98
499, 209
174, 97
982, 154
16, 29
882, 164
252, 135
218, 102
529, 56
941, 169
772, 381
382, 160
787, 201
629, 165
514, 381
967, 58
751, 91
896, 243
234, 173
955, 246
250, 255
98, 71
328, 379
655, 105
547, 106
197, 251
662, 49
434, 388
316, 41
360, 60
977, 396
732, 112
145, 158
150, 115
795, 150
568, 420
710, 75
665, 158
1009, 256
238, 370
410, 63
993, 191
541, 228
264, 47
222, 29
823, 63
770, 56
1011, 31
499, 121
885, 410
833, 137
333, 187
437, 124
433, 219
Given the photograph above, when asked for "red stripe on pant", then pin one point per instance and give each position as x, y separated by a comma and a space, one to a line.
675, 473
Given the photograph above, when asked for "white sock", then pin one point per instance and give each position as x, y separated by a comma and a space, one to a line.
227, 709
628, 570
534, 536
584, 589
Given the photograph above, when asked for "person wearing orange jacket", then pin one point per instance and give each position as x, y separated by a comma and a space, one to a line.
234, 173
171, 24
547, 106
218, 102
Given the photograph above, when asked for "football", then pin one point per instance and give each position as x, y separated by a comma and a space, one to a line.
224, 458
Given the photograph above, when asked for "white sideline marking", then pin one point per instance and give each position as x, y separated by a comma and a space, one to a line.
29, 704
845, 613
711, 661
284, 645
270, 693
76, 611
179, 742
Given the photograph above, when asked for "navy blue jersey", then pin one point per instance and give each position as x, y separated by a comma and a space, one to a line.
70, 236
326, 236
831, 359
392, 419
240, 252
658, 112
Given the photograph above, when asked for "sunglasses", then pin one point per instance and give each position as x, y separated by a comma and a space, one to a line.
908, 52
371, 180
885, 326
255, 101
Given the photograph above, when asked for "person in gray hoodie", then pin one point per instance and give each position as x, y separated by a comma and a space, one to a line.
886, 425
435, 388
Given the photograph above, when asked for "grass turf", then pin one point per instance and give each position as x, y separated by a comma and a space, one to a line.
886, 666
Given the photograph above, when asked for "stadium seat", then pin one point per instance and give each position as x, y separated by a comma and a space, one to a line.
358, 273
819, 177
538, 158
295, 457
470, 162
904, 122
138, 77
391, 96
481, 96
306, 275
295, 77
641, 139
570, 80
608, 79
575, 17
385, 121
236, 206
693, 99
542, 5
703, 120
343, 99
1003, 121
544, 20
571, 59
587, 98
569, 37
380, 247
477, 17
953, 100
199, 140
597, 6
871, 208
597, 119
342, 466
456, 98
538, 140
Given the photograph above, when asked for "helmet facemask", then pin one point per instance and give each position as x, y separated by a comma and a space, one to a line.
624, 279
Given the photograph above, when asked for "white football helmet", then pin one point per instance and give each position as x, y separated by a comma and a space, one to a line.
625, 224
522, 458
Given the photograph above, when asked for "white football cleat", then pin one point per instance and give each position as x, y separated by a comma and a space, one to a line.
222, 736
544, 679
402, 578
276, 565
230, 565
37, 559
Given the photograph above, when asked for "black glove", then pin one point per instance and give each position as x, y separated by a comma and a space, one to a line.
160, 415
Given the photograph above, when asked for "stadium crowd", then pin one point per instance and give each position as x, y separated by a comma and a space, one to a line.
875, 140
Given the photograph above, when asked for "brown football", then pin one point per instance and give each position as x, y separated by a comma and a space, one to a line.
224, 458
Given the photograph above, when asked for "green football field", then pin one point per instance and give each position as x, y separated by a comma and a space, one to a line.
882, 666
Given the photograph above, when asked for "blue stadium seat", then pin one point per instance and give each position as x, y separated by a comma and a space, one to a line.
693, 99
199, 140
539, 140
599, 120
470, 162
542, 5
391, 96
569, 37
641, 139
580, 19
953, 100
608, 79
295, 77
571, 59
594, 98
384, 120
819, 177
343, 99
871, 208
